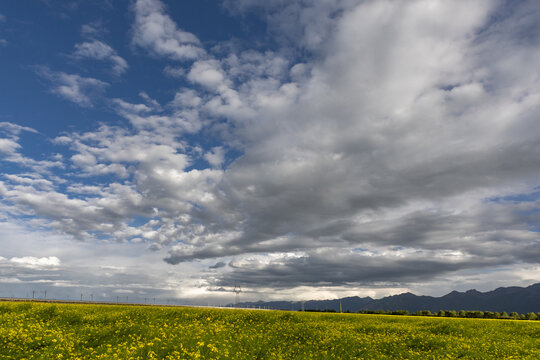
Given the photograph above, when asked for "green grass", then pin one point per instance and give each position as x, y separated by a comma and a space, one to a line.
70, 331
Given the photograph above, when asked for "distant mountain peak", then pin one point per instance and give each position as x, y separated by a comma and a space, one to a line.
509, 299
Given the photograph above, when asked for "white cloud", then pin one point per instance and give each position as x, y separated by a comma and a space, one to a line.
35, 181
149, 118
186, 98
100, 51
72, 87
10, 149
88, 267
152, 103
8, 146
93, 50
93, 29
175, 72
307, 24
215, 157
15, 128
155, 31
207, 73
36, 262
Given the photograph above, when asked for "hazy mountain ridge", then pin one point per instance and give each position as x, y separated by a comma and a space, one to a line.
509, 299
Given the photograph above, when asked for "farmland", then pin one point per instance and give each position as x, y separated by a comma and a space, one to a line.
88, 331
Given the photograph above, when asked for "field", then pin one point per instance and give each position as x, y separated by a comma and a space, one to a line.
89, 331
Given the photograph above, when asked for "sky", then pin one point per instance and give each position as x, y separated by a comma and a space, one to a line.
299, 149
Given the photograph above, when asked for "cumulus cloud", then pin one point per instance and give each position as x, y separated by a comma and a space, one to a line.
35, 262
31, 179
207, 73
186, 98
72, 87
98, 50
215, 157
154, 31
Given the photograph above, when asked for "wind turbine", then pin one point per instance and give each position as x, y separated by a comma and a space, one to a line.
237, 290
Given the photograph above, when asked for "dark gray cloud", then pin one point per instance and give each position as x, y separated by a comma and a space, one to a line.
218, 265
338, 268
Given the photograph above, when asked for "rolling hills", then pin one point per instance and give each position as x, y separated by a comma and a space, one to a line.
519, 299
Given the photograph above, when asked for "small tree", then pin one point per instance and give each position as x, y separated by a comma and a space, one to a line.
514, 315
400, 312
489, 315
475, 314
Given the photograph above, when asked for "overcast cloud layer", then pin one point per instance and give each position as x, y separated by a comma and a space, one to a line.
358, 147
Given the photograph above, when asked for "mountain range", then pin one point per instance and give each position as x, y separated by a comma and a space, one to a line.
519, 299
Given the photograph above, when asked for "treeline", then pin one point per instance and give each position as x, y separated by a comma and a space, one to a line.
461, 314
446, 313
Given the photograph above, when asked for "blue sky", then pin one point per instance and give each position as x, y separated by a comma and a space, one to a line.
173, 149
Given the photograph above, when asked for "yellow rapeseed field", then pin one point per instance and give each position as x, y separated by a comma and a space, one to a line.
89, 331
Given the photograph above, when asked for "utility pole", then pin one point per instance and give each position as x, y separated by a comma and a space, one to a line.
45, 294
92, 297
33, 292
